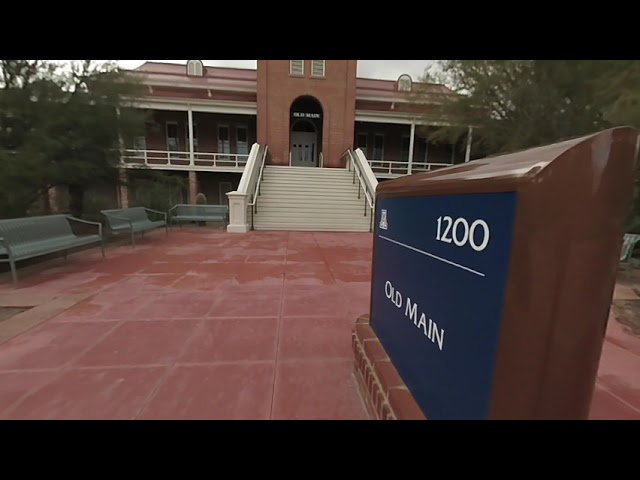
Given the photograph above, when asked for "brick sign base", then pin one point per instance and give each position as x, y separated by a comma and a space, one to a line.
385, 394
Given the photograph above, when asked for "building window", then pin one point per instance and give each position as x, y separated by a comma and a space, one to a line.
297, 67
242, 141
420, 151
173, 143
140, 143
223, 139
362, 143
195, 68
404, 150
317, 68
404, 83
378, 147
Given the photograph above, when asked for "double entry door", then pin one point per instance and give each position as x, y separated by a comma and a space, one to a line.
304, 149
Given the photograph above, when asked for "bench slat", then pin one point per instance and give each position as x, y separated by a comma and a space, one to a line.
31, 229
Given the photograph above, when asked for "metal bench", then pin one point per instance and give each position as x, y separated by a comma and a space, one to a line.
628, 244
199, 213
134, 220
23, 238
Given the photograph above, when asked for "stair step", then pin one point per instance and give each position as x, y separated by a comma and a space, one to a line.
353, 215
288, 205
303, 170
310, 199
309, 181
302, 192
283, 187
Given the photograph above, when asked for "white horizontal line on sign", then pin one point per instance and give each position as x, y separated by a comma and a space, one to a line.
480, 274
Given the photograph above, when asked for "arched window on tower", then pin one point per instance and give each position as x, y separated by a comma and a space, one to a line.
404, 83
195, 68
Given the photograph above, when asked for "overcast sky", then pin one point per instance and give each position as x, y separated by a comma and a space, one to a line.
384, 69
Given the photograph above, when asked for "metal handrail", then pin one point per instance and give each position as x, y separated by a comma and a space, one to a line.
256, 192
362, 185
358, 173
167, 157
387, 167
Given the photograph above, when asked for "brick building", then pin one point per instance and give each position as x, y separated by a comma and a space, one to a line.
203, 122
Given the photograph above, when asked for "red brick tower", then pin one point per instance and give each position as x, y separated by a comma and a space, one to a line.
309, 113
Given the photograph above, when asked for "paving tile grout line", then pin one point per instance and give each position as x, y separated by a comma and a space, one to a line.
66, 367
324, 259
170, 367
143, 366
617, 397
279, 329
614, 342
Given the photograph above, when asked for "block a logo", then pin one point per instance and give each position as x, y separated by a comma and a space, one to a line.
383, 220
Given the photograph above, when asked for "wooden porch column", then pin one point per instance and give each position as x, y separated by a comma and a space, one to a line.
193, 186
54, 206
467, 153
411, 142
190, 119
124, 189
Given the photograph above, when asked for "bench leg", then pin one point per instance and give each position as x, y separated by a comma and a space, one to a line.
14, 275
102, 247
166, 228
133, 239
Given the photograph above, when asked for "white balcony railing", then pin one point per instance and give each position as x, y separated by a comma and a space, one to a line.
395, 168
173, 160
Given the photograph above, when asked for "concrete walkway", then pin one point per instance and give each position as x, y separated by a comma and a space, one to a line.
207, 325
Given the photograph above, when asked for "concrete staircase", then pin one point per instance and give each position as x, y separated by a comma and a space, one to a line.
311, 199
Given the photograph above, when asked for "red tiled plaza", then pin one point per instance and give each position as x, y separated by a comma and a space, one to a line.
206, 325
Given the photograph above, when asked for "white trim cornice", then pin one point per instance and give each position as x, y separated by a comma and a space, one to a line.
198, 105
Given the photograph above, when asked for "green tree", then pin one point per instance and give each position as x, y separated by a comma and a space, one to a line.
515, 104
61, 125
22, 181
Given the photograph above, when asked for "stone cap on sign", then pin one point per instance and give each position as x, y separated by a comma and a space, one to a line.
586, 155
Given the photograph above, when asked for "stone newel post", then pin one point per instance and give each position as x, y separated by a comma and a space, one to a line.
238, 212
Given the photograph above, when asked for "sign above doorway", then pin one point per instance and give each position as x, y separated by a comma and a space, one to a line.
305, 115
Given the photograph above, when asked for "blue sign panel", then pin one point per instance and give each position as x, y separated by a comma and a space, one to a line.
439, 275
